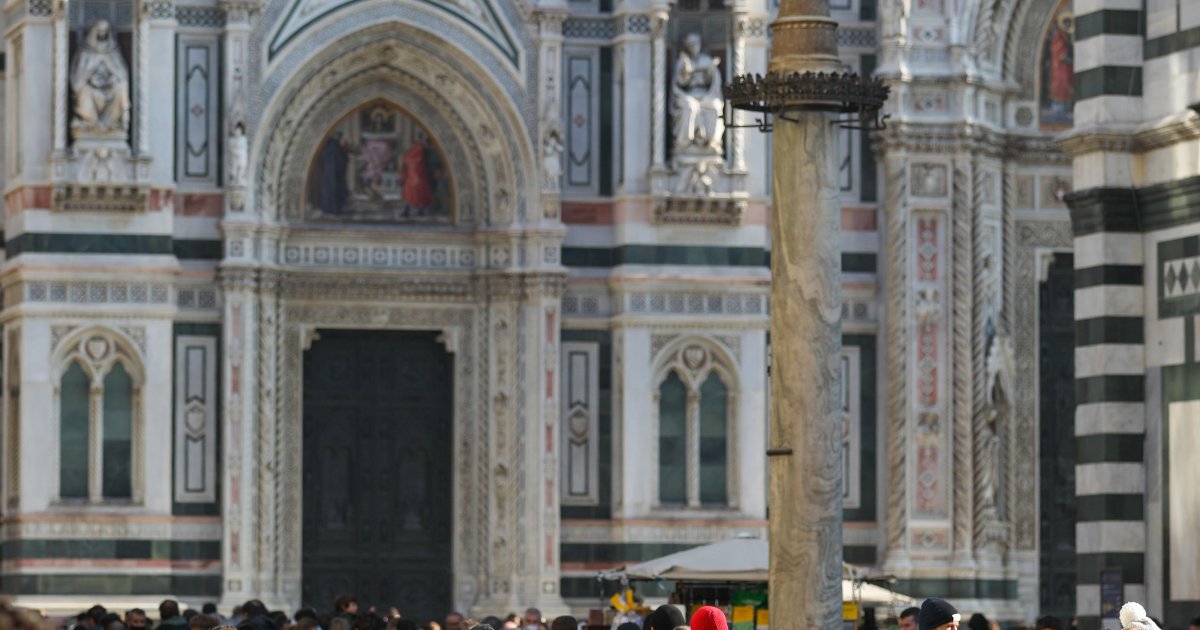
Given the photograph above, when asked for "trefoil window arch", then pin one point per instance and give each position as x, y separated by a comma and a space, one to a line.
98, 393
695, 399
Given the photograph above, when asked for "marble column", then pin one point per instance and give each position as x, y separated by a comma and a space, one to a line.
805, 485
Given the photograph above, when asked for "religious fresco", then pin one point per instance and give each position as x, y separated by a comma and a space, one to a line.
378, 164
1056, 97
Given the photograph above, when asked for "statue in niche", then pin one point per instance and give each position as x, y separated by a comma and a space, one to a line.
238, 149
100, 85
697, 100
995, 416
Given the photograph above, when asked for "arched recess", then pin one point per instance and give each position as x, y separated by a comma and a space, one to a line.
700, 375
479, 129
108, 426
1025, 23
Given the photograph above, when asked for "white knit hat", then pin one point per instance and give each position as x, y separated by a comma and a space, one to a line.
1134, 616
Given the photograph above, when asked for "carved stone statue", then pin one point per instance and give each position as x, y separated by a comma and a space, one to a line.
552, 150
238, 149
995, 417
696, 100
100, 85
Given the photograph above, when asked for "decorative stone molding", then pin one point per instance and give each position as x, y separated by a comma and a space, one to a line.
1030, 238
590, 28
672, 303
97, 293
189, 16
699, 210
101, 198
128, 527
380, 256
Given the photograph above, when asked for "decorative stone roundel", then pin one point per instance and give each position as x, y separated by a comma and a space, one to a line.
694, 357
96, 348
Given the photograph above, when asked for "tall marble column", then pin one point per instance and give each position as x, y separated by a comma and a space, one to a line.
806, 299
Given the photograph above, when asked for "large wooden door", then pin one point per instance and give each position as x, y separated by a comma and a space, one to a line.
377, 471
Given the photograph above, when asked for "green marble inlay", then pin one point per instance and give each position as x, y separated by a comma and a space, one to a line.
57, 243
1125, 275
197, 249
1108, 81
1109, 507
1110, 388
1114, 329
603, 508
1089, 566
665, 255
1173, 43
957, 589
1108, 22
114, 584
866, 345
1110, 447
859, 262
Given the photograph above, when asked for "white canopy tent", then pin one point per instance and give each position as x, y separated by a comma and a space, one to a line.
745, 559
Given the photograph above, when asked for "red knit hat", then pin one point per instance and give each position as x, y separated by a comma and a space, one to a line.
709, 618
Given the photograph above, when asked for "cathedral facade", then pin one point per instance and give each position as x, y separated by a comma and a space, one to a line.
455, 303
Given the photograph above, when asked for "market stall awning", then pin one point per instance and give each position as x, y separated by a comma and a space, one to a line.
743, 560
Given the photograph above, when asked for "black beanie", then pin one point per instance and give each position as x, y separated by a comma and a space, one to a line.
667, 617
935, 612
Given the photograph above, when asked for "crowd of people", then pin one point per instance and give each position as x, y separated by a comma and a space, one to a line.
934, 614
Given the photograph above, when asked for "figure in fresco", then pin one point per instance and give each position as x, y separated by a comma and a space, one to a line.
418, 188
379, 164
100, 84
1058, 70
333, 189
696, 100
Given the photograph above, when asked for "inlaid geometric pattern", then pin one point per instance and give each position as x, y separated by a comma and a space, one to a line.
1181, 277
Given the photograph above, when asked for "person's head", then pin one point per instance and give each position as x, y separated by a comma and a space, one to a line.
665, 617
513, 617
253, 608
908, 618
306, 613
1195, 624
168, 609
135, 619
978, 622
340, 622
509, 624
708, 618
1048, 622
937, 614
346, 603
432, 625
564, 622
307, 623
203, 622
453, 621
209, 608
492, 620
533, 617
95, 614
190, 613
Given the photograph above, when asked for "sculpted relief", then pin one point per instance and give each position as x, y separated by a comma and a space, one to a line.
100, 86
378, 164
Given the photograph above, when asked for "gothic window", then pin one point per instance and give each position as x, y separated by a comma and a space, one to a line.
714, 414
75, 394
694, 404
672, 441
98, 399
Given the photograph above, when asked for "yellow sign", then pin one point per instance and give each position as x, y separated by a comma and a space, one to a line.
763, 619
743, 614
849, 611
